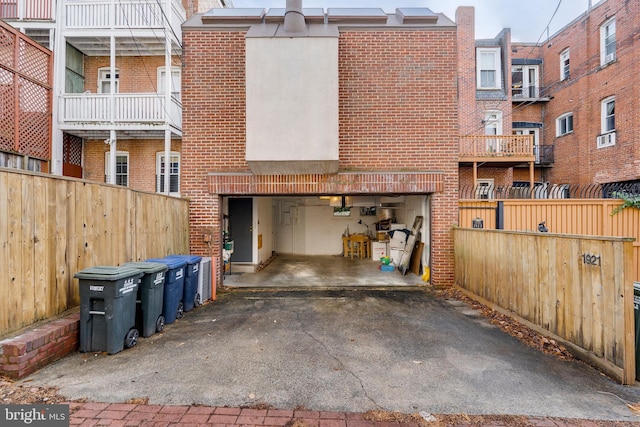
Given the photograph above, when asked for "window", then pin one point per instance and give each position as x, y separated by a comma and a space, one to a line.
104, 80
608, 42
122, 168
564, 124
608, 115
175, 81
484, 188
524, 81
564, 65
488, 68
174, 173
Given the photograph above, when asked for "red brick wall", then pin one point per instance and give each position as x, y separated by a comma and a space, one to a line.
577, 158
142, 160
398, 111
137, 74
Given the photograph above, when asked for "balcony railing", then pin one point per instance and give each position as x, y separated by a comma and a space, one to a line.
27, 9
128, 14
130, 109
499, 147
529, 92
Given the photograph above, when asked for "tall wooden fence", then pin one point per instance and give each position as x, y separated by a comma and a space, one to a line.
51, 228
577, 289
591, 217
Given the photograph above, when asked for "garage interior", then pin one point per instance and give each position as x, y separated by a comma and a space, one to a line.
301, 241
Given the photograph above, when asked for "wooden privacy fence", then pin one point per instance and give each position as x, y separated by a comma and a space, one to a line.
576, 289
589, 217
51, 228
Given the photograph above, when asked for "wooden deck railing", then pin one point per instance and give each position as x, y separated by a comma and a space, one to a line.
472, 146
27, 10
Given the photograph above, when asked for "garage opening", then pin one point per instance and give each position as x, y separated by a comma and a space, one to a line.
326, 241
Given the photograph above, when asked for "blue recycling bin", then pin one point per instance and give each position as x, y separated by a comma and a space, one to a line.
190, 295
172, 306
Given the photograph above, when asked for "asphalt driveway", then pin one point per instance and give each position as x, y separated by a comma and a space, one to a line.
342, 350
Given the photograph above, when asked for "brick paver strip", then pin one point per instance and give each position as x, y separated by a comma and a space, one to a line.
94, 405
89, 423
194, 418
279, 413
149, 408
140, 416
227, 411
112, 415
253, 412
121, 407
174, 410
173, 418
250, 419
332, 423
276, 421
223, 419
306, 414
335, 415
201, 410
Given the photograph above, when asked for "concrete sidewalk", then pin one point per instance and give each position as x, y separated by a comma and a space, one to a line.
342, 351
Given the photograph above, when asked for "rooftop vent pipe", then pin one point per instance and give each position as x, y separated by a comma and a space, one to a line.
294, 18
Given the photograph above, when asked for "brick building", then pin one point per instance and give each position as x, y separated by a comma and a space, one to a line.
354, 109
562, 93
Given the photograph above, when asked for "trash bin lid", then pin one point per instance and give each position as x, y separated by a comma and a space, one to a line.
189, 259
172, 263
148, 267
109, 273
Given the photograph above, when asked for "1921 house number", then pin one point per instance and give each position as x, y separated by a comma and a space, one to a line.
590, 259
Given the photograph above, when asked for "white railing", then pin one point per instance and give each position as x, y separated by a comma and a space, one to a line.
130, 108
127, 14
27, 9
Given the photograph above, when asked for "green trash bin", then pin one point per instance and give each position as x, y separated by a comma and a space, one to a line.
636, 312
149, 318
108, 308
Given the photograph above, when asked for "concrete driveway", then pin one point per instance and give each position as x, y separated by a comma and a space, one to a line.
342, 350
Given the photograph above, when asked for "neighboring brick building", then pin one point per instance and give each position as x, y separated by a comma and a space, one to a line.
575, 94
358, 104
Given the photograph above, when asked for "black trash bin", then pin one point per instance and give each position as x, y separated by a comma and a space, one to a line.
636, 312
108, 308
190, 297
172, 306
149, 318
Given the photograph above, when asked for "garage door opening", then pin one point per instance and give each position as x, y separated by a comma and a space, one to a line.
312, 241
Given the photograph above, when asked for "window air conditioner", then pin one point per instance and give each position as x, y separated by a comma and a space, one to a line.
607, 140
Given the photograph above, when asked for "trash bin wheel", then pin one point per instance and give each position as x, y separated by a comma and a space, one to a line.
180, 312
196, 301
160, 324
132, 338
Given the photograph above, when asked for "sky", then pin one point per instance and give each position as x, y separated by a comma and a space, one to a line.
528, 20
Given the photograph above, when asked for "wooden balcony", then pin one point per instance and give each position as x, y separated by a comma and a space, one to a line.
139, 115
501, 150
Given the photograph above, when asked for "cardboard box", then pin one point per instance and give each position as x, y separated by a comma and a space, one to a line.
382, 235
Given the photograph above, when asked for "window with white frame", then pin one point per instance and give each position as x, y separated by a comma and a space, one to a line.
564, 65
608, 42
564, 124
608, 115
174, 173
104, 80
122, 167
176, 85
524, 81
484, 188
488, 68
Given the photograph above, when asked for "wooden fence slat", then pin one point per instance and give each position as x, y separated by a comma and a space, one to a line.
5, 282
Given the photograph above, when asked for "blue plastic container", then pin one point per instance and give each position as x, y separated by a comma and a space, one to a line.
190, 295
172, 305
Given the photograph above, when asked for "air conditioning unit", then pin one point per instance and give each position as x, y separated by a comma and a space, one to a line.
606, 140
609, 58
204, 280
